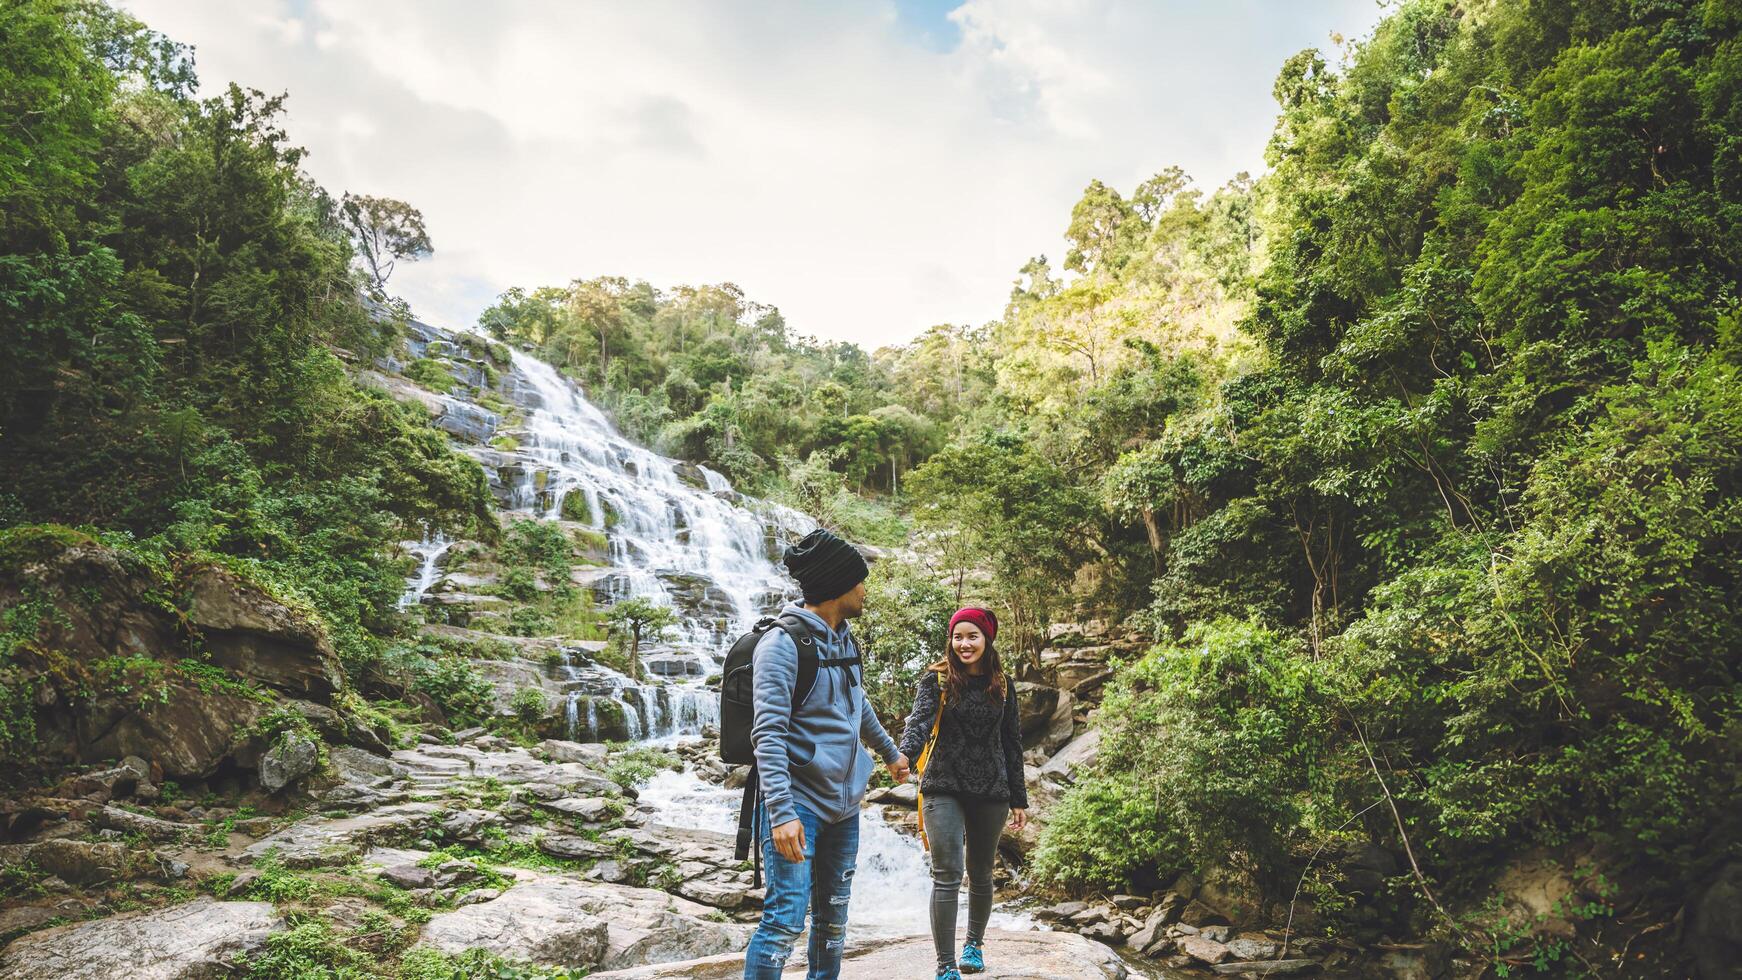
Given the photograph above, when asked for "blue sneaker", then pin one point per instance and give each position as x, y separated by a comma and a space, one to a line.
973, 959
950, 974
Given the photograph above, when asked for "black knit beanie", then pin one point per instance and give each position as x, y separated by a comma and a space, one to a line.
826, 566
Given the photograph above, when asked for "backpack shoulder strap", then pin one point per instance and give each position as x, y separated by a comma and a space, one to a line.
808, 660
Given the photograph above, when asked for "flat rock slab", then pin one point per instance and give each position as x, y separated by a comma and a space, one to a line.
187, 942
1009, 956
324, 842
437, 764
559, 921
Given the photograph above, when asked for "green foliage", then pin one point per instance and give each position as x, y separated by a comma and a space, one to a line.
907, 611
997, 504
1102, 834
309, 951
175, 289
464, 696
430, 373
817, 489
540, 545
21, 880
278, 883
633, 766
426, 963
1465, 518
714, 378
529, 705
635, 619
1210, 746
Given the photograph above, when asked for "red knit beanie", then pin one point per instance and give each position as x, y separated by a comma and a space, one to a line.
983, 618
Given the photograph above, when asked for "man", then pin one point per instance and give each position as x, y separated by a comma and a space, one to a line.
811, 764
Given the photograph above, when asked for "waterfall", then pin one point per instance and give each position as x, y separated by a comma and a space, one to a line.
675, 542
429, 552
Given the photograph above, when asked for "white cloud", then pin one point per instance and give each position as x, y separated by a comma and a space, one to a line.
813, 153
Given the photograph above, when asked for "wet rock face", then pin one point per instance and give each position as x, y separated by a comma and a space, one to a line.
466, 421
187, 942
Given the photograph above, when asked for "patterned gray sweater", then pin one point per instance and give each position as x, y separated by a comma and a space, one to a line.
979, 750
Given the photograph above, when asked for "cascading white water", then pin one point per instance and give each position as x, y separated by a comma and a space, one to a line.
660, 527
680, 545
429, 552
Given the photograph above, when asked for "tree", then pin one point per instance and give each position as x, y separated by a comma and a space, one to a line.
635, 619
903, 629
384, 230
999, 505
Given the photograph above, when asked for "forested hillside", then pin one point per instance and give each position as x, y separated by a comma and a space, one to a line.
179, 308
1440, 549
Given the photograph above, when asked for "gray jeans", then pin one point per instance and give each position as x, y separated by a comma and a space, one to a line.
954, 825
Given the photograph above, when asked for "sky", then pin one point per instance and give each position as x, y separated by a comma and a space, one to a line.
871, 168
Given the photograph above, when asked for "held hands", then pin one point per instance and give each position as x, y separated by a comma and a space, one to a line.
898, 770
789, 840
1018, 819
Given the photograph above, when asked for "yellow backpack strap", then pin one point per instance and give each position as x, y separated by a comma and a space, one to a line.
932, 741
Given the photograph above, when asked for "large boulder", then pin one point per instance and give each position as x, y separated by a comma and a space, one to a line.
330, 841
188, 730
86, 863
202, 939
1080, 753
104, 671
289, 760
1059, 729
559, 921
250, 632
1715, 935
1035, 703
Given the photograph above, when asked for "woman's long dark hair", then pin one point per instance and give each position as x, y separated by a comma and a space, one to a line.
956, 672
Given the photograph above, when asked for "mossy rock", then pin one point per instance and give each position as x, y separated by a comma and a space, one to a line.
613, 516
432, 374
610, 719
31, 543
575, 507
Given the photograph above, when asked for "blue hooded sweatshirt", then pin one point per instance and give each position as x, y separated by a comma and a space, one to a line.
812, 755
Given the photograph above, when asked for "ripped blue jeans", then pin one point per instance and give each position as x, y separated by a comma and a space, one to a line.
821, 883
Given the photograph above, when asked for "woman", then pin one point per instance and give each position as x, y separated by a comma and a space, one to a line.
971, 778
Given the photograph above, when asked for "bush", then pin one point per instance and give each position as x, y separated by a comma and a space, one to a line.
529, 706
309, 951
455, 686
1104, 833
430, 373
425, 963
1208, 749
633, 767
